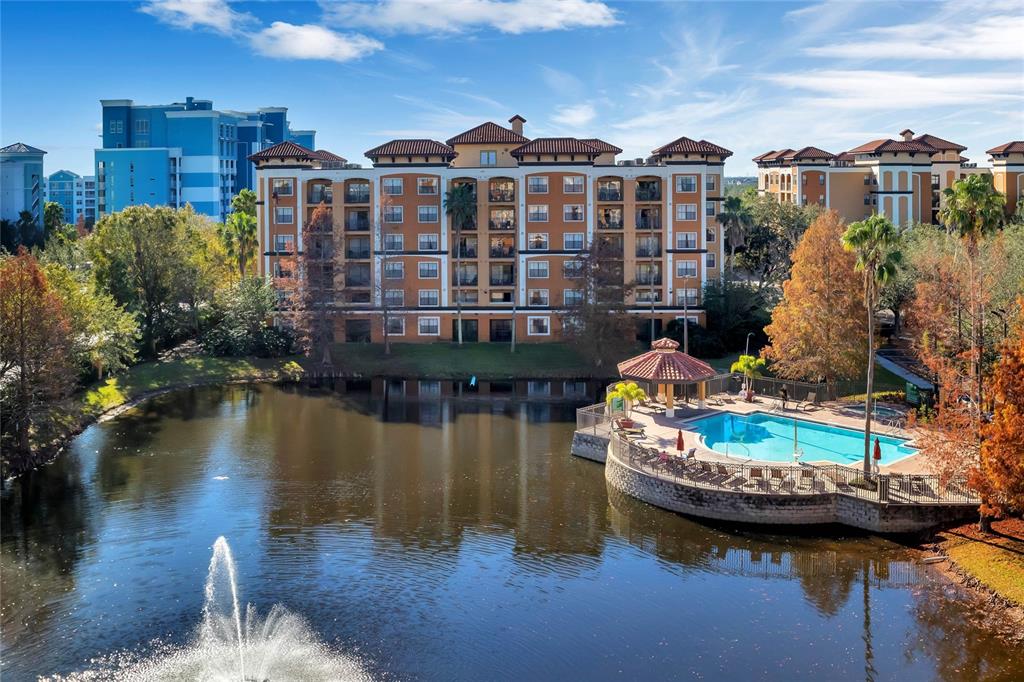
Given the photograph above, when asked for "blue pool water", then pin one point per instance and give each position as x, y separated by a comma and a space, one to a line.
770, 437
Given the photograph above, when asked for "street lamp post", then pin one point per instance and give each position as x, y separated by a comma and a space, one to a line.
747, 351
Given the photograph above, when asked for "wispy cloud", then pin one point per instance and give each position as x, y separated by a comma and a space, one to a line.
689, 59
561, 82
575, 116
282, 40
458, 16
214, 15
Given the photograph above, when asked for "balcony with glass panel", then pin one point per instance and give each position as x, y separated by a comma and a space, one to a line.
502, 247
357, 192
320, 193
648, 190
502, 191
467, 247
647, 247
502, 219
357, 248
609, 190
465, 276
609, 219
502, 275
357, 221
648, 219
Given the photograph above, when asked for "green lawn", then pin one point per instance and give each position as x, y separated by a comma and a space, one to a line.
995, 560
483, 360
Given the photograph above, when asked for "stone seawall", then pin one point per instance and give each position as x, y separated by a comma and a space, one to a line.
749, 507
589, 446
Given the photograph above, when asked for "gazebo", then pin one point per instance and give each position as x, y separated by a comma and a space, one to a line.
665, 366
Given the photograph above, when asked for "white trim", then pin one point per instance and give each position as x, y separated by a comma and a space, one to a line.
421, 320
531, 318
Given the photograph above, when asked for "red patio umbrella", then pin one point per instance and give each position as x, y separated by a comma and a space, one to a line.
679, 441
878, 450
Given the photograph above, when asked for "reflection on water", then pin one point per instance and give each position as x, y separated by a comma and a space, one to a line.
441, 539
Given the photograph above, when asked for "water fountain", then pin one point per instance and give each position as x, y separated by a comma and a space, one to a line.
230, 646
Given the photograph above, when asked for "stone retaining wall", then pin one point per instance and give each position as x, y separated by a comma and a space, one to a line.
763, 508
589, 446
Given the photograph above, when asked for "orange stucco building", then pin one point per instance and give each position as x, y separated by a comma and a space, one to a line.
1008, 172
539, 204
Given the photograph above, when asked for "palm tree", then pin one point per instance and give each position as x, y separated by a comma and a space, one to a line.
973, 209
630, 394
875, 242
460, 204
750, 367
238, 234
736, 219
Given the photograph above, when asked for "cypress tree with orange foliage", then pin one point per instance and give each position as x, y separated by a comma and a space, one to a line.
818, 329
1001, 471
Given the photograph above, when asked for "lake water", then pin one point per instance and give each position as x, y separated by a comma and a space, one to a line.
441, 540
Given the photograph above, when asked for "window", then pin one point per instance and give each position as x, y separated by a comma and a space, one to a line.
686, 183
427, 214
394, 297
467, 296
572, 213
537, 297
284, 242
572, 184
648, 295
572, 296
489, 158
394, 270
392, 186
686, 211
428, 242
393, 214
394, 242
428, 297
537, 213
283, 187
426, 185
537, 269
710, 260
427, 269
821, 179
429, 326
142, 127
572, 269
573, 241
538, 326
709, 234
709, 209
710, 181
686, 240
280, 271
284, 215
537, 241
395, 326
687, 297
538, 388
537, 184
429, 388
686, 268
117, 126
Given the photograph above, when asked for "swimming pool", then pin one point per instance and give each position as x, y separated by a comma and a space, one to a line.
769, 437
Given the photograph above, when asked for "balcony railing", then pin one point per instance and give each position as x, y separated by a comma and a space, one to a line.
464, 280
466, 251
502, 196
610, 224
317, 196
357, 197
502, 280
648, 223
648, 279
357, 224
357, 253
353, 280
648, 251
648, 194
502, 224
503, 251
606, 194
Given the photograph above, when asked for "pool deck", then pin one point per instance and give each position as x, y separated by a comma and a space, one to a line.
661, 431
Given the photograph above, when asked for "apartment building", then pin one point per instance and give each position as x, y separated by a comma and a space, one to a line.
183, 153
515, 268
21, 182
900, 178
75, 193
1008, 172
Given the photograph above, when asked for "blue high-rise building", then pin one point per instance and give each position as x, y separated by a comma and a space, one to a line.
76, 194
183, 153
21, 182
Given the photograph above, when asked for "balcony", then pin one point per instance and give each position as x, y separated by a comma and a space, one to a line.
648, 222
503, 251
502, 225
502, 196
464, 280
357, 196
609, 194
465, 251
357, 224
648, 251
356, 280
615, 224
648, 193
357, 253
503, 276
648, 280
318, 195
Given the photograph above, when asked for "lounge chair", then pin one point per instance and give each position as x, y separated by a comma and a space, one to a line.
777, 476
806, 480
757, 478
727, 477
812, 402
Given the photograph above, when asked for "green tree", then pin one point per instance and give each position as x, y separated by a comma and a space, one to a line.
875, 242
630, 394
27, 229
773, 233
750, 367
53, 218
736, 219
238, 235
243, 312
460, 205
244, 202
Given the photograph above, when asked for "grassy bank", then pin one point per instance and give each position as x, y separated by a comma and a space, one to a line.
996, 561
483, 360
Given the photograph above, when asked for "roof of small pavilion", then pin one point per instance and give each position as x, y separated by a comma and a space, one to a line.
665, 364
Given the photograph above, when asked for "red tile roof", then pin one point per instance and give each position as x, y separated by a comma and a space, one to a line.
1015, 147
779, 155
887, 145
325, 155
412, 147
284, 150
844, 156
687, 146
939, 143
762, 157
556, 145
601, 145
665, 364
486, 133
811, 153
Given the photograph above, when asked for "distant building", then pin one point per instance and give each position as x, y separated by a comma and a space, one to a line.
76, 193
21, 180
1008, 172
183, 153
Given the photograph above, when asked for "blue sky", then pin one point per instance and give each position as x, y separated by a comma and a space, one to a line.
749, 76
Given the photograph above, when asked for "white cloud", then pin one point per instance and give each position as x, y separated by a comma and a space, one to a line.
886, 90
456, 16
282, 40
560, 81
960, 30
214, 15
574, 115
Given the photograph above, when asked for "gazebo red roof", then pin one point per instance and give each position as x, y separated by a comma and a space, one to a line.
665, 364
